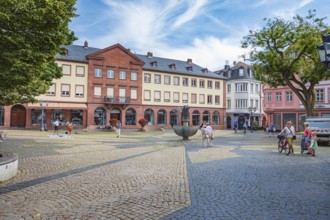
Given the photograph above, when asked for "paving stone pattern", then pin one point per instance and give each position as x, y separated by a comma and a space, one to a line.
156, 175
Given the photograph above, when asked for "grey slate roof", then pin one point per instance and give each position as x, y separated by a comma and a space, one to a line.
235, 71
79, 53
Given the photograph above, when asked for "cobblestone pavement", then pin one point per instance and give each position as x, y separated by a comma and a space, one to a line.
156, 175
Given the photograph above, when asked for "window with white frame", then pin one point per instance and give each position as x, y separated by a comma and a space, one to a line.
241, 72
251, 102
109, 92
66, 69
241, 87
147, 95
269, 97
147, 78
228, 103
251, 87
97, 91
176, 97
157, 96
98, 72
193, 82
185, 81
167, 96
79, 91
134, 93
278, 97
241, 103
80, 70
228, 88
176, 81
122, 74
157, 79
217, 85
209, 84
201, 98
122, 95
184, 97
319, 95
209, 99
288, 96
167, 80
51, 90
201, 83
229, 74
257, 104
65, 90
110, 74
134, 76
217, 100
193, 98
257, 88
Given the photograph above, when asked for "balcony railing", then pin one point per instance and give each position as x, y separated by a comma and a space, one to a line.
117, 100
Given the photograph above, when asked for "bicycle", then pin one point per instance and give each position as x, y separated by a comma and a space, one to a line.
283, 144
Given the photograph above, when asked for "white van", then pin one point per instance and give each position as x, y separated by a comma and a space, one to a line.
321, 126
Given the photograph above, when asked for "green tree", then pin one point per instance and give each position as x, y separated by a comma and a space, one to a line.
284, 53
31, 33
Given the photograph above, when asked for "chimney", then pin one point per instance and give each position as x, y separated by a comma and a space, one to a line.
189, 60
205, 70
149, 55
85, 44
227, 65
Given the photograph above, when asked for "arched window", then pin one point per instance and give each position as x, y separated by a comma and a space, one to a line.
174, 117
216, 118
195, 118
206, 116
115, 113
161, 117
130, 117
2, 116
149, 115
100, 117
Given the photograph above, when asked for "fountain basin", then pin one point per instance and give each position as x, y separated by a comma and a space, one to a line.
8, 165
185, 131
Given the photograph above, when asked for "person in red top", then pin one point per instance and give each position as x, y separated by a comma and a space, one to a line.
306, 138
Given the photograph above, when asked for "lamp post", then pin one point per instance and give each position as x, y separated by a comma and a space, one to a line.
42, 105
251, 110
324, 50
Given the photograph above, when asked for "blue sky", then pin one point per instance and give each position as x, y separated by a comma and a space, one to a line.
207, 31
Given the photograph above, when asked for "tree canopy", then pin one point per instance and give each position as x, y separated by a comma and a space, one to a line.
31, 34
284, 53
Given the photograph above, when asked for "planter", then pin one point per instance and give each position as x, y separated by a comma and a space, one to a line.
143, 129
8, 165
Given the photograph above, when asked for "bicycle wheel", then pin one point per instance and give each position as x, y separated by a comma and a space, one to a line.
280, 146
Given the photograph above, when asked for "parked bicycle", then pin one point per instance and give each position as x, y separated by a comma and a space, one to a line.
283, 144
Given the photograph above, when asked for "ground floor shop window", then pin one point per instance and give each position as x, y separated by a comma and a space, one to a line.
216, 118
174, 117
130, 116
76, 117
195, 118
36, 117
161, 117
58, 114
289, 117
2, 116
206, 116
100, 116
149, 115
277, 121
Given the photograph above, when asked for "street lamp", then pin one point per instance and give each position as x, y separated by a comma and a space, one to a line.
42, 103
251, 110
324, 50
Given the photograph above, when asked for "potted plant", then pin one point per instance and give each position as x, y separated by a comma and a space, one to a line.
143, 122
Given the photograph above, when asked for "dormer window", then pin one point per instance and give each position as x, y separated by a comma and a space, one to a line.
172, 66
241, 72
205, 70
154, 64
189, 68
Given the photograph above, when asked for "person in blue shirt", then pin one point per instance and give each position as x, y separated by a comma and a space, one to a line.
118, 129
271, 129
244, 127
235, 126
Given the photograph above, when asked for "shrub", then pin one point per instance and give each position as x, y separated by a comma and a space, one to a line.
113, 121
143, 122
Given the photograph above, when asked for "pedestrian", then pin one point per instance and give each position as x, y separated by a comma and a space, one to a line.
209, 130
272, 129
305, 142
235, 126
314, 145
69, 127
118, 129
56, 124
244, 127
290, 134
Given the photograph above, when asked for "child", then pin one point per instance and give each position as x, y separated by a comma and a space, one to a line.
314, 145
